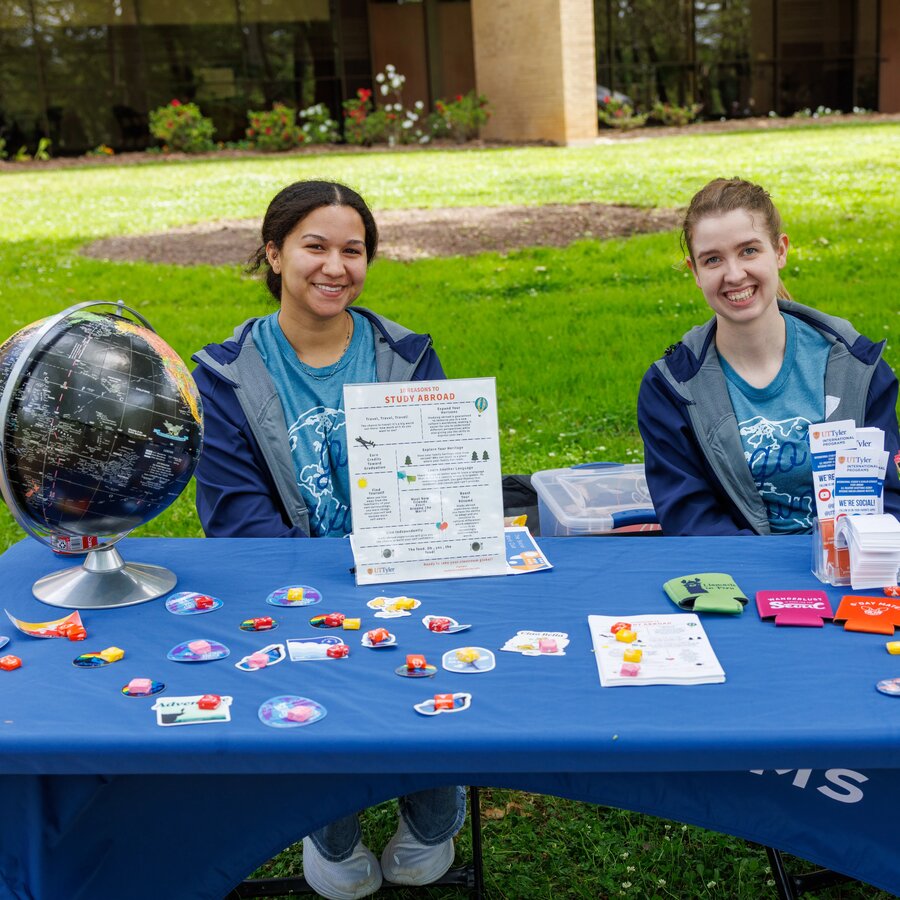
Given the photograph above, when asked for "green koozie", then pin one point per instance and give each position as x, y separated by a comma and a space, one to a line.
707, 592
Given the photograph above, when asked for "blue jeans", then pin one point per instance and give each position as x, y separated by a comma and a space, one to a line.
432, 816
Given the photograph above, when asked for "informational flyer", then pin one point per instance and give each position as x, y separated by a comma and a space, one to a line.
425, 480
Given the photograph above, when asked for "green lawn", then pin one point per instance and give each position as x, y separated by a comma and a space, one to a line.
567, 333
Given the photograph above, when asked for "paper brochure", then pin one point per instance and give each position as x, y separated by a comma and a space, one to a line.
665, 649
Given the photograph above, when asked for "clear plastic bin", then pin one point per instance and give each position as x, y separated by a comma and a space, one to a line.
594, 499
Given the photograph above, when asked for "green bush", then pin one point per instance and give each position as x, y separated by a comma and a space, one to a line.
182, 127
274, 129
317, 125
672, 114
460, 118
619, 114
362, 125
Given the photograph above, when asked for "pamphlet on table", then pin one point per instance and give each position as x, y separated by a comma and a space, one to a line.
425, 480
666, 649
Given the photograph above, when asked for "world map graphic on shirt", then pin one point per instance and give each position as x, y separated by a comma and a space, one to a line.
323, 429
777, 453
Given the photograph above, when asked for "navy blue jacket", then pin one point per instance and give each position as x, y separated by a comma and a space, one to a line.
246, 484
694, 460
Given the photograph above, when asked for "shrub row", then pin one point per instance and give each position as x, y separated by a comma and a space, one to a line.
182, 126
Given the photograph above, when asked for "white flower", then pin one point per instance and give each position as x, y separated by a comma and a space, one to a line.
384, 90
419, 104
379, 77
323, 128
389, 68
710, 884
407, 123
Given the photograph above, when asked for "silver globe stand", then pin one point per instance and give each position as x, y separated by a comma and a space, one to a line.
103, 581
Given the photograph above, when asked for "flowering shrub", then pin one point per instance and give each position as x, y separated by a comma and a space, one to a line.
102, 150
361, 123
672, 114
274, 129
392, 122
317, 125
619, 114
460, 118
181, 126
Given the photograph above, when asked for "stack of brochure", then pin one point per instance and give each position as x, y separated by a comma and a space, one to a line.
665, 649
874, 543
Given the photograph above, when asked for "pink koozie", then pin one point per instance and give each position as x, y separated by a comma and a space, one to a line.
804, 608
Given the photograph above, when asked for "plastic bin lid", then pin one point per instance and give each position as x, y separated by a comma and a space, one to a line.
586, 498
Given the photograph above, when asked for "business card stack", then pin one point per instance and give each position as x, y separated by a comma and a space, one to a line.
874, 543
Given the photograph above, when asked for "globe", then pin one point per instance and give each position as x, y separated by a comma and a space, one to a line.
101, 428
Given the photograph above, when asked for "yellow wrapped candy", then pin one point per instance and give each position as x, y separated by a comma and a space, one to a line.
111, 654
467, 654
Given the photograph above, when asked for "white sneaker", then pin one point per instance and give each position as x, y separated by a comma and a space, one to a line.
357, 876
406, 861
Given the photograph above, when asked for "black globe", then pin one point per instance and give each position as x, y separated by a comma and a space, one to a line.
104, 428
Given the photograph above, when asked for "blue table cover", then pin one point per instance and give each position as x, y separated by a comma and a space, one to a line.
796, 749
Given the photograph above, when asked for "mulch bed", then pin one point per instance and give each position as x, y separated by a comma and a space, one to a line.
405, 234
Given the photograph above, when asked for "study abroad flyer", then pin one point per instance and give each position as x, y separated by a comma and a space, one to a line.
425, 480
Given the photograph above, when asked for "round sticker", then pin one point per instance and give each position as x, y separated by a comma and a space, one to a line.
890, 686
425, 671
330, 620
259, 623
90, 661
190, 603
154, 688
198, 651
294, 595
289, 711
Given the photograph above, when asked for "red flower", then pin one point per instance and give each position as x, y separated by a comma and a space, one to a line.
175, 102
170, 124
250, 132
364, 94
459, 98
269, 129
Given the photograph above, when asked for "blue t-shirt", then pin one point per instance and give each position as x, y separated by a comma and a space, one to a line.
313, 404
774, 422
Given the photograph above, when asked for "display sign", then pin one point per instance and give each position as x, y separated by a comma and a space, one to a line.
425, 480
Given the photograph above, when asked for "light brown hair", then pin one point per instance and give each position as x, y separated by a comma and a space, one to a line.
725, 195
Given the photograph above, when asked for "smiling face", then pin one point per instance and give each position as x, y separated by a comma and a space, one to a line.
322, 263
736, 266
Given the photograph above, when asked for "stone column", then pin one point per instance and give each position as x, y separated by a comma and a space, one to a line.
535, 62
